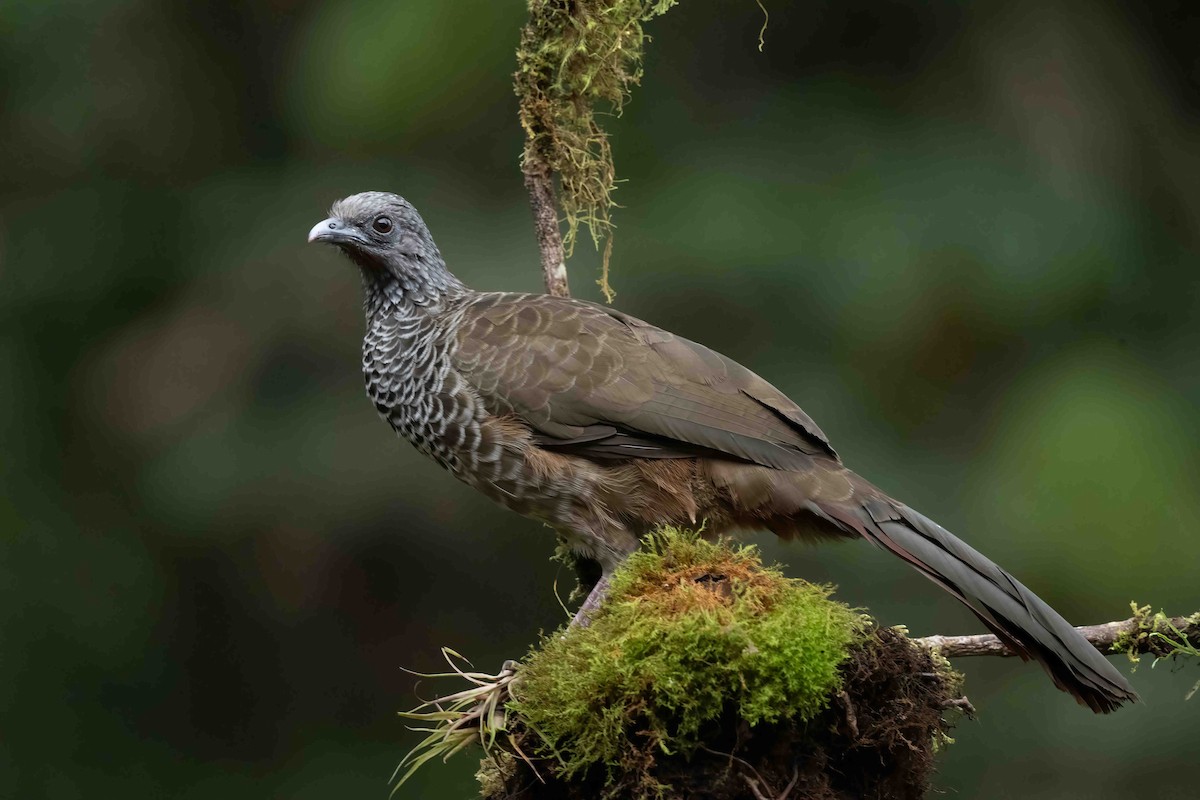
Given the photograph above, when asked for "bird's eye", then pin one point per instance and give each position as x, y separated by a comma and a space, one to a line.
382, 225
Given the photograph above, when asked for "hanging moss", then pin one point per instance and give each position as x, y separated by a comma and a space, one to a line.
576, 56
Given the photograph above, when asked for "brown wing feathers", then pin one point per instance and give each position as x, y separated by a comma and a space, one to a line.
579, 365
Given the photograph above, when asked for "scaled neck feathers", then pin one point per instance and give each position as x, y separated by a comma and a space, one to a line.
413, 290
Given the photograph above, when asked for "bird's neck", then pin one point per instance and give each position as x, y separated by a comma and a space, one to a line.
407, 295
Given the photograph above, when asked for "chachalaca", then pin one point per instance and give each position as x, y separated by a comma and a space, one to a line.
604, 427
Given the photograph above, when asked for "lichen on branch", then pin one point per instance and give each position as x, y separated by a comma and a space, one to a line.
578, 58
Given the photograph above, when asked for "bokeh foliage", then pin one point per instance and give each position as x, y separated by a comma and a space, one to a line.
962, 236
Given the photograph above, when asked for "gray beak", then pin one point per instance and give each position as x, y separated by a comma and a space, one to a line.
332, 230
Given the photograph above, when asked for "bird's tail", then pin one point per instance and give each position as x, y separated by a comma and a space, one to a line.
1025, 623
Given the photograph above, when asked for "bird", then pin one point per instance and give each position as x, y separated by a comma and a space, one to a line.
605, 427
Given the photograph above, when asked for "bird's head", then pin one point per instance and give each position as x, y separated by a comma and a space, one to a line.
385, 236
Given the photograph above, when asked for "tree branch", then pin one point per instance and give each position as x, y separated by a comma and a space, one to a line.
1144, 633
539, 181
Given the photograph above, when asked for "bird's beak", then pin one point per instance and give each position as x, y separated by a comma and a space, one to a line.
332, 230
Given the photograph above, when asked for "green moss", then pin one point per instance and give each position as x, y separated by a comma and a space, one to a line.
691, 632
1158, 635
574, 56
1155, 634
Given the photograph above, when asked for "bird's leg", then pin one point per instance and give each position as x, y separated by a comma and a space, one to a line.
591, 603
591, 577
594, 572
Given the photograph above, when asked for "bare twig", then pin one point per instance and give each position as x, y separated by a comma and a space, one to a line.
759, 789
540, 183
787, 790
1139, 634
962, 704
851, 717
753, 784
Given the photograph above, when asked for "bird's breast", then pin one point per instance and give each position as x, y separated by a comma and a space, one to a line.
409, 378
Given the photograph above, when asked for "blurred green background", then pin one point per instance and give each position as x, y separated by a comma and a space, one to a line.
963, 236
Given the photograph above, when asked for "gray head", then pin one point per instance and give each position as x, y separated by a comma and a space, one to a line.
386, 237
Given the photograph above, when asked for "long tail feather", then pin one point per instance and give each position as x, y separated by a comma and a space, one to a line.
1010, 610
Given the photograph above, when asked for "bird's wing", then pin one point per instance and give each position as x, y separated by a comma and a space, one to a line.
587, 377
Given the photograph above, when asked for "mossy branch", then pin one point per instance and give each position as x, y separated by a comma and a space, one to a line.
540, 184
576, 56
1143, 633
